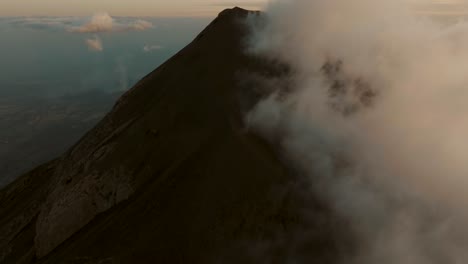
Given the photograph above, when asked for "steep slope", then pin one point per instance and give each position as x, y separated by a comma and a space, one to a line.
170, 175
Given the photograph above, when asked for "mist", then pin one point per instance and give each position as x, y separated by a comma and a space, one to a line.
94, 43
372, 113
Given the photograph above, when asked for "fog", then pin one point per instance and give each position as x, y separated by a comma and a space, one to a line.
373, 115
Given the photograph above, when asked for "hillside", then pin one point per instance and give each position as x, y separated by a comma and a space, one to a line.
171, 175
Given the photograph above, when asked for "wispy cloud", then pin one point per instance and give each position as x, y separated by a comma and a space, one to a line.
44, 23
100, 22
95, 44
150, 48
140, 25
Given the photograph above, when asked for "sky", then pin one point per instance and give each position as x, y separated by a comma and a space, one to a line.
151, 8
175, 8
442, 7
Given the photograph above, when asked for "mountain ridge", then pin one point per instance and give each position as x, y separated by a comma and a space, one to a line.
169, 175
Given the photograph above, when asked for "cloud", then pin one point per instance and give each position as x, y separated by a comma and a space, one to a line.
94, 44
140, 25
373, 116
150, 48
103, 22
100, 22
44, 23
52, 21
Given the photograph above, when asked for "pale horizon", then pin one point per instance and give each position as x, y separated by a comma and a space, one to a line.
179, 8
123, 8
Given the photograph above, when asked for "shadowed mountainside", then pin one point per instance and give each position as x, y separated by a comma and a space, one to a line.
171, 175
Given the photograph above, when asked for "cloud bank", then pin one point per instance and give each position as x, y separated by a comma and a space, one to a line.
373, 114
103, 22
98, 23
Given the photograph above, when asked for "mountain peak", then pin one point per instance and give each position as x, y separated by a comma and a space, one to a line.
237, 12
170, 175
173, 145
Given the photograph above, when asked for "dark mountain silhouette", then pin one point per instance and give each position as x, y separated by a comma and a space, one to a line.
171, 175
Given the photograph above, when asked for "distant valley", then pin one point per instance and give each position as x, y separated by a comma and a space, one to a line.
34, 130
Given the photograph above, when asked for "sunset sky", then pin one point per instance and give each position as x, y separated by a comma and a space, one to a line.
153, 8
175, 8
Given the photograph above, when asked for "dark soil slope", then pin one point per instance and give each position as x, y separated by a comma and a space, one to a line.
170, 175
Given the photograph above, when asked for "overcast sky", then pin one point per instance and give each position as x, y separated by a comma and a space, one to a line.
160, 8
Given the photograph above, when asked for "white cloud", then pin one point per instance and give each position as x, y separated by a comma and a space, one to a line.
99, 23
95, 44
103, 22
150, 48
374, 115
